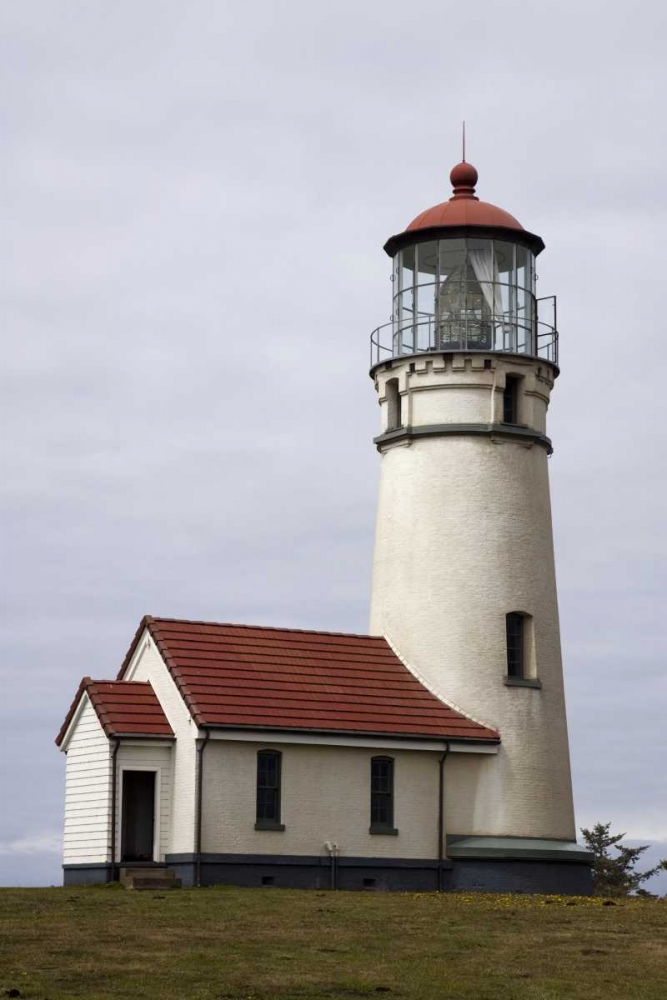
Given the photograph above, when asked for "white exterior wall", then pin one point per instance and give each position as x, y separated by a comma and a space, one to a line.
148, 665
325, 796
87, 791
147, 757
463, 537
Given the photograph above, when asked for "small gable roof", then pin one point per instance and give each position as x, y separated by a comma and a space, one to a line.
124, 708
236, 676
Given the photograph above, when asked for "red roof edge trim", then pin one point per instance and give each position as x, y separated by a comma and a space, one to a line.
260, 628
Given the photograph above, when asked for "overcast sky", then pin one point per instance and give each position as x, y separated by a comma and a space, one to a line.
194, 201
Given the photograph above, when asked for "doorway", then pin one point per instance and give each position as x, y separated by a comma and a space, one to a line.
138, 827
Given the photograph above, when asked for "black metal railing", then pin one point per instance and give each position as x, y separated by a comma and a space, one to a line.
426, 333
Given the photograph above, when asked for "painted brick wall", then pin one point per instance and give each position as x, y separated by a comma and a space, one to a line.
325, 797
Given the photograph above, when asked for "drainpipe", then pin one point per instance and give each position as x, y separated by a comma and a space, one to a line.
441, 815
200, 783
114, 793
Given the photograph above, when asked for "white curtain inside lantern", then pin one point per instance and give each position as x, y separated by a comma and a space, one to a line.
488, 276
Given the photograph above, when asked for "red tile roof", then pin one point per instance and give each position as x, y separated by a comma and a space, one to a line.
238, 676
124, 708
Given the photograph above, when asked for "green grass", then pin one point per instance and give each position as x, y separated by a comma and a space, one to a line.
236, 944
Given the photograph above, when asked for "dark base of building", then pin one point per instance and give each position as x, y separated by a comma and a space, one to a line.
91, 874
548, 869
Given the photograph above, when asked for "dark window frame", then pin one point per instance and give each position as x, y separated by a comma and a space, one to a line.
394, 405
515, 642
382, 795
268, 790
511, 399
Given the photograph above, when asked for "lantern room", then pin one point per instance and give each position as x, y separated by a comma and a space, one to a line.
463, 279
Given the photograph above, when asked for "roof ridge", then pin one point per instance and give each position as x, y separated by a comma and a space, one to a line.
114, 681
266, 628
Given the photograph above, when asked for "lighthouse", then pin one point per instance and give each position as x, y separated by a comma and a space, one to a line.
464, 584
431, 754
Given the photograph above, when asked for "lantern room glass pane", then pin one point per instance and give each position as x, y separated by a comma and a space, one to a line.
427, 277
482, 294
451, 304
524, 308
463, 294
406, 310
505, 273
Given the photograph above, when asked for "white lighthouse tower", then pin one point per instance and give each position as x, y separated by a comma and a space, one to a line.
464, 585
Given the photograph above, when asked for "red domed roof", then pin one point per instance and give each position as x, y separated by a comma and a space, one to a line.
464, 207
462, 210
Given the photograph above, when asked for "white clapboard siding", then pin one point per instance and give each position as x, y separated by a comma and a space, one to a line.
148, 758
148, 665
88, 791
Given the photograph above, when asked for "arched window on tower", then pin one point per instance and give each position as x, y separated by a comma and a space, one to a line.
393, 404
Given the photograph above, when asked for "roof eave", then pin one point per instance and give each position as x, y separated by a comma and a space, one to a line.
411, 236
380, 734
143, 736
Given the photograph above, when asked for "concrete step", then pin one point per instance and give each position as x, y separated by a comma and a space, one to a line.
153, 882
149, 878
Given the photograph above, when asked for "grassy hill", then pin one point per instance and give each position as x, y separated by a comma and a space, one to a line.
254, 944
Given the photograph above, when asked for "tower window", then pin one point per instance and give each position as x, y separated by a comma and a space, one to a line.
511, 400
515, 625
268, 790
382, 795
393, 404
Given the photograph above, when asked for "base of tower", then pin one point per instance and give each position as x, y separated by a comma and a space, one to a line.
520, 864
548, 878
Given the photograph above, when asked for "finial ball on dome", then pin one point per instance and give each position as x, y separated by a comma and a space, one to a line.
463, 175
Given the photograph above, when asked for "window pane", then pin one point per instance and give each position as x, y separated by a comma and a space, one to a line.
515, 645
427, 267
425, 326
396, 302
382, 791
452, 259
406, 309
268, 786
